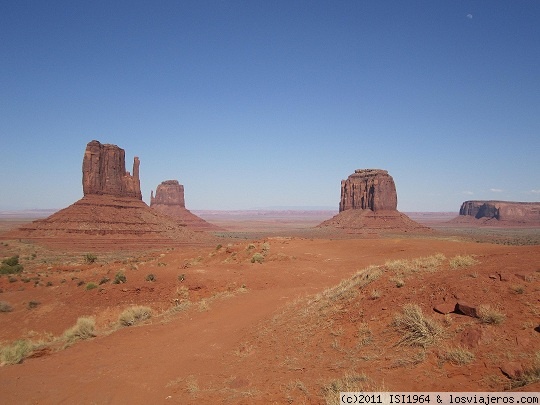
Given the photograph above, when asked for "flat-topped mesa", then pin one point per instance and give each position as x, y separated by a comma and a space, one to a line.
104, 172
372, 189
503, 211
169, 192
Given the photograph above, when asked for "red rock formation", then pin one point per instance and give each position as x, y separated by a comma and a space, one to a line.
104, 172
369, 201
169, 200
372, 189
499, 213
169, 192
111, 214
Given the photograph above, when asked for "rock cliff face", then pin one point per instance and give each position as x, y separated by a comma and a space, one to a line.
499, 212
369, 202
371, 189
104, 172
169, 200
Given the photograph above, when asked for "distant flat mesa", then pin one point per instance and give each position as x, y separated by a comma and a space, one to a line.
369, 202
498, 213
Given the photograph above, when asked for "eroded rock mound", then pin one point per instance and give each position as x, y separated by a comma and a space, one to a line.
111, 213
499, 213
169, 200
369, 202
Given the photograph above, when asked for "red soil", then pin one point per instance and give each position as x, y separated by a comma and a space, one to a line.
257, 333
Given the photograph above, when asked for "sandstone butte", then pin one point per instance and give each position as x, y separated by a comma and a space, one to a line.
369, 202
111, 211
499, 213
169, 200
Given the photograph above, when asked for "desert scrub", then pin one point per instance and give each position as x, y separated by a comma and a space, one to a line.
530, 375
91, 286
462, 261
16, 352
348, 383
104, 280
120, 278
5, 307
416, 329
375, 294
404, 267
134, 315
11, 265
33, 304
257, 258
489, 315
90, 258
83, 329
458, 356
150, 277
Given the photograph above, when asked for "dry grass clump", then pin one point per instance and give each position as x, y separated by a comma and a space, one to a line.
462, 261
348, 383
134, 315
83, 329
489, 315
15, 352
404, 266
416, 329
529, 376
348, 288
457, 355
365, 335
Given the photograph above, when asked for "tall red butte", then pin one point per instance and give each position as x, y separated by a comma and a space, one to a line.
111, 213
369, 202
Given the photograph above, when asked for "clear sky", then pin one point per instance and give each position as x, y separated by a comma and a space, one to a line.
254, 104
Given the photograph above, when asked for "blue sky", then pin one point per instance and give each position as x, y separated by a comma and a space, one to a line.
255, 104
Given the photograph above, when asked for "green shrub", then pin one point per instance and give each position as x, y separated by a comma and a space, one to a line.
91, 286
83, 329
90, 258
120, 278
11, 265
134, 315
257, 257
11, 261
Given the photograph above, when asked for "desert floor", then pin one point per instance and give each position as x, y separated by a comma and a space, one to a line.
273, 311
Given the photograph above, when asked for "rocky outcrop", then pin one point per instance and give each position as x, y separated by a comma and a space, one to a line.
499, 213
371, 189
104, 172
369, 202
111, 215
169, 200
